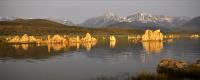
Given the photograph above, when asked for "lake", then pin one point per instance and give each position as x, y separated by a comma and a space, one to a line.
89, 61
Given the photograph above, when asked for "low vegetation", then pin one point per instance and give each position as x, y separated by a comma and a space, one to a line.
45, 27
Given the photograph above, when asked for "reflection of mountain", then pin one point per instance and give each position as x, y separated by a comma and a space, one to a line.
152, 46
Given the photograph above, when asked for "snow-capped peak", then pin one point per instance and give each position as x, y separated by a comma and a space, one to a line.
109, 14
138, 17
147, 17
143, 14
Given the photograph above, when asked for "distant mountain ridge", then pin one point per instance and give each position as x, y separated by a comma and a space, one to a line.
137, 19
65, 22
192, 25
104, 20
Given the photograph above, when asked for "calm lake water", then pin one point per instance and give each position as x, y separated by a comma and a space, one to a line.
89, 61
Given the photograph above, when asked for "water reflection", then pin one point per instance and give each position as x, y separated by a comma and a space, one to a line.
16, 46
152, 46
76, 45
102, 48
58, 46
21, 51
89, 45
112, 44
23, 46
149, 47
124, 57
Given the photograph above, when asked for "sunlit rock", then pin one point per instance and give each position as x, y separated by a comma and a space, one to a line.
152, 35
112, 38
57, 39
172, 36
153, 46
24, 39
32, 39
88, 38
194, 36
170, 63
74, 39
55, 42
14, 39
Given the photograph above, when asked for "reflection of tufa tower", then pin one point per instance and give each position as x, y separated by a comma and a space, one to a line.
49, 37
77, 44
112, 44
112, 41
153, 46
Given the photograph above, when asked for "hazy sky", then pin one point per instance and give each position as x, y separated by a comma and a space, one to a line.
80, 10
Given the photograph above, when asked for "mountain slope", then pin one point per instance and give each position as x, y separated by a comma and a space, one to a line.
35, 26
65, 22
104, 20
138, 26
192, 25
44, 27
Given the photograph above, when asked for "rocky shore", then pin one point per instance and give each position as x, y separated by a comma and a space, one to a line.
179, 68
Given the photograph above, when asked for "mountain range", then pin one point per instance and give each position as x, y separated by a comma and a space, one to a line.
139, 21
192, 25
65, 22
143, 21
